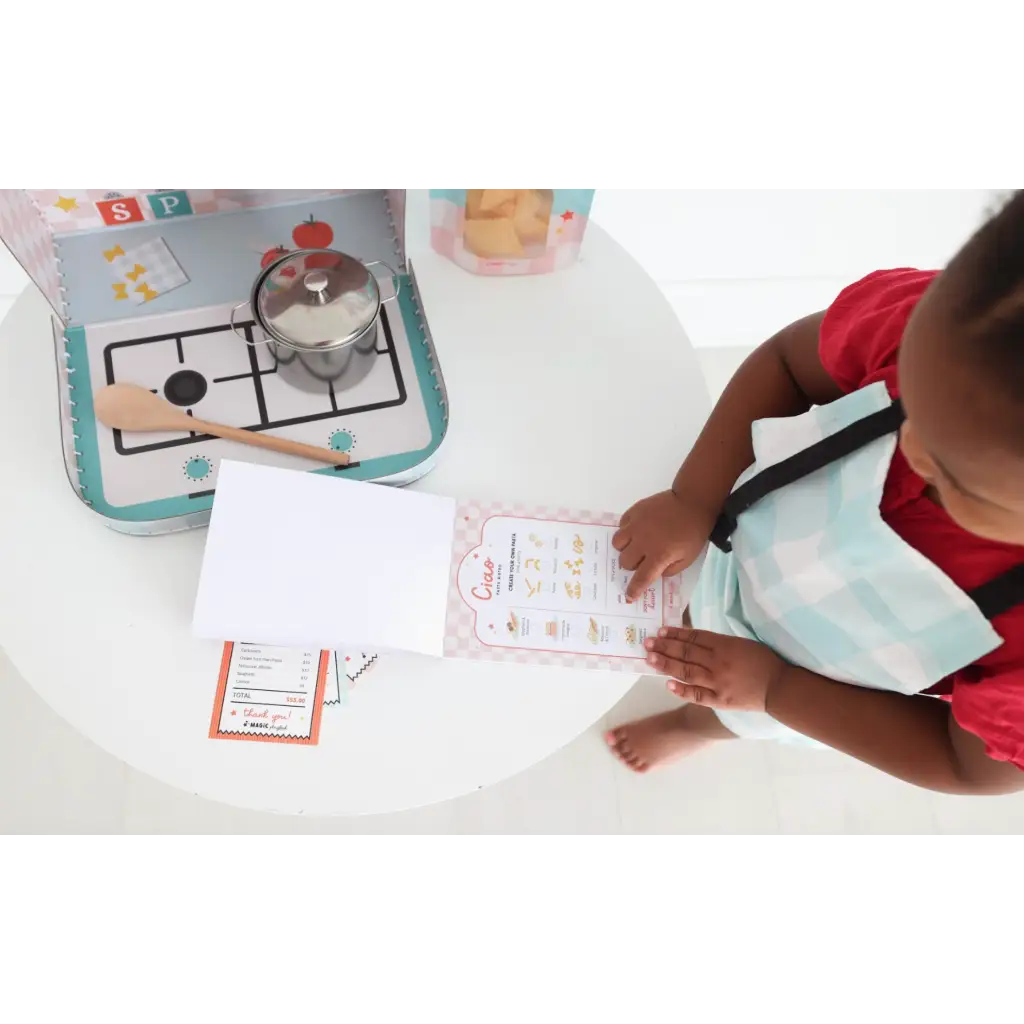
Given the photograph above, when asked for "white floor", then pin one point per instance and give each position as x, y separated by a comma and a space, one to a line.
53, 780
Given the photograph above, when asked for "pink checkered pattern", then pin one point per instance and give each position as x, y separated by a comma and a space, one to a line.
25, 232
84, 215
460, 639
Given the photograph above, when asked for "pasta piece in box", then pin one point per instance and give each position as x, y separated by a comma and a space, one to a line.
509, 230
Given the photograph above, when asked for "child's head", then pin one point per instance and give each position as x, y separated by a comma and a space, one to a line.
961, 372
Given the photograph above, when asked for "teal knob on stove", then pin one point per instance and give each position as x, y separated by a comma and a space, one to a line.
197, 468
342, 441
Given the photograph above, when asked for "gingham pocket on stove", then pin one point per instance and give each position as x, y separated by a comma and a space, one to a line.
144, 272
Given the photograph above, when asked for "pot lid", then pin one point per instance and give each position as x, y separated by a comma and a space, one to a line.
316, 299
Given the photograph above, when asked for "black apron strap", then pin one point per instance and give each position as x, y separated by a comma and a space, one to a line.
822, 453
1006, 591
994, 598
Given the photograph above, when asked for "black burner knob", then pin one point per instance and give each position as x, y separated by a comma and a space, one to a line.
186, 387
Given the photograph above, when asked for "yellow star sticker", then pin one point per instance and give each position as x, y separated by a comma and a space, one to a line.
66, 204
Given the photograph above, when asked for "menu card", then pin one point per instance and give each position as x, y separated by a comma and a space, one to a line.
380, 568
543, 585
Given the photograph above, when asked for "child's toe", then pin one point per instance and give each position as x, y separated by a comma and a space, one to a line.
618, 740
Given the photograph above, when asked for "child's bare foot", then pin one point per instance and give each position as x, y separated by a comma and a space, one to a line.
661, 739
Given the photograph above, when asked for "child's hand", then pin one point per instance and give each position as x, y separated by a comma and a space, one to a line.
660, 536
719, 671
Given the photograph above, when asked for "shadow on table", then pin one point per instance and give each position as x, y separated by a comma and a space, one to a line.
648, 697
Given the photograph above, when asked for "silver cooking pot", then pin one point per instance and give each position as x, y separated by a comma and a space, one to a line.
319, 310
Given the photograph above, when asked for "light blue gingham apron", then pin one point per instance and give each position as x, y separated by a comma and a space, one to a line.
816, 574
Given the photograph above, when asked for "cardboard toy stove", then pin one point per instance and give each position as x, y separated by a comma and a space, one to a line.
142, 283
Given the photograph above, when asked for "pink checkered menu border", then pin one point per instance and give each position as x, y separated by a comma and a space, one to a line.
460, 639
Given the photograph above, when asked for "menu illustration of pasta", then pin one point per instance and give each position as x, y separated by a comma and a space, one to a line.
547, 586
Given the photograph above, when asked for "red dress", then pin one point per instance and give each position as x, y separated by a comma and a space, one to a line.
860, 339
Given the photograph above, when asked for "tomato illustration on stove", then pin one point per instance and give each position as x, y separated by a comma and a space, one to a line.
270, 257
313, 234
272, 254
321, 261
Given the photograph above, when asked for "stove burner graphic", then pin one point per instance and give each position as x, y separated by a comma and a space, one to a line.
186, 387
385, 423
211, 371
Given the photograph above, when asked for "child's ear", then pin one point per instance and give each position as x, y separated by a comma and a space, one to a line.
920, 461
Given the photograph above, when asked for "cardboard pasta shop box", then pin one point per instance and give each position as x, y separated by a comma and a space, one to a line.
504, 231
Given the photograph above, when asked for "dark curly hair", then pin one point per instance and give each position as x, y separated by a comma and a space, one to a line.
983, 296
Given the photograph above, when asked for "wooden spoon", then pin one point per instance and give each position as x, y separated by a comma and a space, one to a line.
131, 407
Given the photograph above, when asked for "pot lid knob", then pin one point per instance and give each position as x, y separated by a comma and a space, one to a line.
316, 283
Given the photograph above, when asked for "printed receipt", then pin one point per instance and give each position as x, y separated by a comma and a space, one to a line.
270, 693
545, 585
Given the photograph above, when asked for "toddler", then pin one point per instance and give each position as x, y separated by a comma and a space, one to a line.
861, 482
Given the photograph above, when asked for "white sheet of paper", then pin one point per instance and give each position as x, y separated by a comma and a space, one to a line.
307, 560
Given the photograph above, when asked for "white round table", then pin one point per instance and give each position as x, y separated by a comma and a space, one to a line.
578, 388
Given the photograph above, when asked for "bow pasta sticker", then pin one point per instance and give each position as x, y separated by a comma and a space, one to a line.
145, 272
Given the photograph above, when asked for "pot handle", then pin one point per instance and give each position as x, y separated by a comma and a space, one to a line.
395, 279
234, 329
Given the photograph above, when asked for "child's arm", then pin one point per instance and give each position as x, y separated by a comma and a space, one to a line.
914, 738
783, 377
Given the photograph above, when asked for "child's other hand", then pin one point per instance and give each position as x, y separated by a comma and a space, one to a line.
660, 536
719, 671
